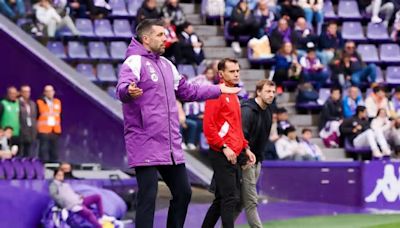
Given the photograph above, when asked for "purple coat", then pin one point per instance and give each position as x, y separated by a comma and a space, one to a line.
151, 125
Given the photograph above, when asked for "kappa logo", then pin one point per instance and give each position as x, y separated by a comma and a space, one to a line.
154, 77
388, 186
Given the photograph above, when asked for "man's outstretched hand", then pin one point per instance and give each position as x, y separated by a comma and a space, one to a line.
226, 89
134, 91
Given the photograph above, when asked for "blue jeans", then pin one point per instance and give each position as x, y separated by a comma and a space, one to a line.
319, 17
318, 77
366, 74
6, 9
189, 134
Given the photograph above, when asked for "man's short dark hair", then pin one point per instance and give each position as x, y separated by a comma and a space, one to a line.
336, 89
289, 129
146, 25
186, 25
281, 110
222, 63
360, 109
378, 88
8, 128
306, 130
261, 83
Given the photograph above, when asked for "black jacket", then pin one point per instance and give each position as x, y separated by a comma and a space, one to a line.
256, 124
346, 128
145, 13
28, 133
332, 110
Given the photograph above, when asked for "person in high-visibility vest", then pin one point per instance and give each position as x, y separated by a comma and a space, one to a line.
48, 125
9, 113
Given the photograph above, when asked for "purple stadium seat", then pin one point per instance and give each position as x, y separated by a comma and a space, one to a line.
118, 8
76, 50
39, 168
98, 50
352, 31
122, 28
379, 76
57, 48
106, 73
118, 49
229, 37
87, 71
368, 53
8, 169
102, 28
377, 32
349, 10
133, 6
329, 12
18, 168
85, 27
393, 75
324, 94
390, 53
28, 167
349, 148
187, 70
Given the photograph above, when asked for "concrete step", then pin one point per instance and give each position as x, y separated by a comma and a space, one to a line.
286, 97
194, 19
289, 106
252, 75
250, 85
213, 41
318, 142
304, 120
334, 154
189, 8
220, 53
208, 30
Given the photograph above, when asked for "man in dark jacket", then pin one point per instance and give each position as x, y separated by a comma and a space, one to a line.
28, 115
357, 130
330, 41
283, 33
350, 67
190, 45
256, 123
148, 10
332, 110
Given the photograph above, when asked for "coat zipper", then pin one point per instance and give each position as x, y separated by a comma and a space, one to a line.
169, 116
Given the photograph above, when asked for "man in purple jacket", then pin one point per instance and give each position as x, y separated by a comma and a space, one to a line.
148, 86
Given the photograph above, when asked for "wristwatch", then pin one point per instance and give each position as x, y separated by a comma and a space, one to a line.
223, 147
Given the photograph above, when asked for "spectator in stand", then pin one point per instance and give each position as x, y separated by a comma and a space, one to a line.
289, 148
270, 150
330, 119
283, 120
349, 67
395, 35
376, 7
306, 93
78, 8
394, 104
10, 114
357, 130
313, 9
49, 125
65, 197
242, 23
188, 129
7, 150
191, 45
67, 169
376, 100
47, 15
304, 34
286, 67
394, 135
282, 34
291, 10
312, 149
174, 13
330, 41
13, 9
148, 10
261, 49
172, 47
382, 123
312, 69
98, 8
351, 101
264, 17
28, 115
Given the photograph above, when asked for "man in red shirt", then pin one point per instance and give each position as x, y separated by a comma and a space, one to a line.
223, 129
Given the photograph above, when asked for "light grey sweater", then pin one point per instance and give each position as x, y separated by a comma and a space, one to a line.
64, 195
